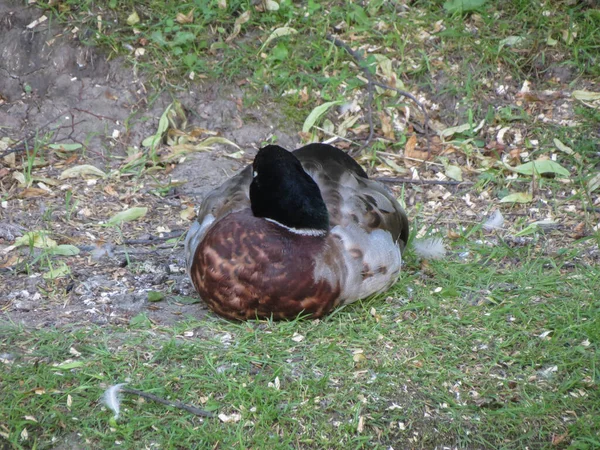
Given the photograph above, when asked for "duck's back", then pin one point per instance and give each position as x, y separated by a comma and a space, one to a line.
351, 197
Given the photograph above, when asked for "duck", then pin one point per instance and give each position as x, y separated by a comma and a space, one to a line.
295, 234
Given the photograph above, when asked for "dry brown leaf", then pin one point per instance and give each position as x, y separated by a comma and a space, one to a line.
387, 127
188, 214
237, 26
515, 156
133, 157
10, 160
10, 261
110, 190
453, 234
411, 152
579, 231
185, 18
33, 192
558, 439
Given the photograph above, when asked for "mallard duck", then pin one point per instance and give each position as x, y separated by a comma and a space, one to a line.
295, 232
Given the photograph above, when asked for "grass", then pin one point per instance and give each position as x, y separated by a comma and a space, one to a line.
422, 40
494, 347
495, 350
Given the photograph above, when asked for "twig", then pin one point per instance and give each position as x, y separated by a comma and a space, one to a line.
370, 86
97, 116
335, 135
371, 83
175, 403
395, 180
153, 239
423, 161
16, 148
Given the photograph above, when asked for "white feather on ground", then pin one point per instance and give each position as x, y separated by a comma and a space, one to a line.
112, 399
430, 248
494, 222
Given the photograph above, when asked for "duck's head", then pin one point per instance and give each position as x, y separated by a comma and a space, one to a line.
283, 193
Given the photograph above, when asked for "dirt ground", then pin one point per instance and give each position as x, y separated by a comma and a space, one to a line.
52, 83
56, 88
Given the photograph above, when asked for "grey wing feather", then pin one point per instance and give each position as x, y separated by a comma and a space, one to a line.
353, 198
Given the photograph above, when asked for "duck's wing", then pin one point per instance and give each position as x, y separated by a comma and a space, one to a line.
351, 197
231, 196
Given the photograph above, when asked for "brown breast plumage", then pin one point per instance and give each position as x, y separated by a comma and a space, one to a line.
250, 268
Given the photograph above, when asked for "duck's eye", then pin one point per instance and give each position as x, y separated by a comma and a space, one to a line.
254, 174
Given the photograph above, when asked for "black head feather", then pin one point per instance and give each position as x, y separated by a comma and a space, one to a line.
282, 191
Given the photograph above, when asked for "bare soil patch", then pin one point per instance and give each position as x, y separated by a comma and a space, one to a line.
52, 85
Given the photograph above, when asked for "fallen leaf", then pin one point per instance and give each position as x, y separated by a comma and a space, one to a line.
361, 424
586, 95
297, 337
316, 114
232, 418
410, 152
127, 216
37, 239
539, 167
386, 126
63, 250
454, 172
517, 197
271, 5
185, 18
593, 183
188, 213
133, 18
278, 32
82, 171
510, 41
58, 270
33, 192
461, 129
155, 296
110, 190
558, 439
237, 26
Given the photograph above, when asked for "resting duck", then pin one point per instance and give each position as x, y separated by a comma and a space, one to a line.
295, 232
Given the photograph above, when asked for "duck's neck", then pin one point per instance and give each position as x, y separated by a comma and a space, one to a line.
301, 231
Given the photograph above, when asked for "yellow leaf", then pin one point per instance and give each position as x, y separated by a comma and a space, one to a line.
188, 214
82, 170
517, 197
133, 18
586, 95
185, 18
39, 239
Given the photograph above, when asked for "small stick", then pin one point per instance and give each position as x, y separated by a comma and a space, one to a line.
371, 83
97, 116
174, 403
370, 89
335, 135
395, 180
153, 239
